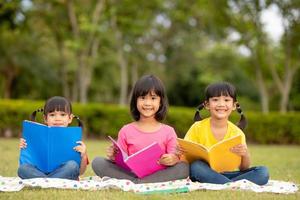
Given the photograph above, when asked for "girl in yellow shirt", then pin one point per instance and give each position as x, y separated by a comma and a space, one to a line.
220, 101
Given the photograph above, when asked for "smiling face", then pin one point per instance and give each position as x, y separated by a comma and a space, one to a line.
148, 105
220, 107
58, 118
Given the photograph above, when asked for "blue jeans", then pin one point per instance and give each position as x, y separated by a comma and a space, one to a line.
68, 170
201, 171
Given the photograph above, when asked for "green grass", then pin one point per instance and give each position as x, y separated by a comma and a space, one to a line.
282, 161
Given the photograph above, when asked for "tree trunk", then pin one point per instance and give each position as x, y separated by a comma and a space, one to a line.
284, 85
124, 77
8, 80
83, 77
285, 94
63, 71
85, 55
121, 61
264, 96
9, 74
75, 89
134, 74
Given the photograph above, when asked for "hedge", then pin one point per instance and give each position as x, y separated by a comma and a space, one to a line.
101, 120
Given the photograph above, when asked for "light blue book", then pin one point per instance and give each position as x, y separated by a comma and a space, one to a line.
49, 147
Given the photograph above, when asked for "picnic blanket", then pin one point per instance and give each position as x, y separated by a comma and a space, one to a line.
12, 184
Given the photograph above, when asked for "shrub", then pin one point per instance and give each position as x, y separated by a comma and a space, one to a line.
101, 120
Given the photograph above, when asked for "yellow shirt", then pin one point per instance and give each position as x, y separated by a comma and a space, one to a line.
200, 132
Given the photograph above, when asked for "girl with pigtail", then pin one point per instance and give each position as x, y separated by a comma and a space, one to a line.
220, 101
57, 111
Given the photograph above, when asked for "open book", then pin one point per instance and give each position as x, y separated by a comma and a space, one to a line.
49, 147
219, 156
141, 163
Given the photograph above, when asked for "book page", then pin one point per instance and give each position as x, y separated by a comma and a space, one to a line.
146, 161
221, 158
36, 152
141, 163
62, 141
140, 151
120, 155
193, 151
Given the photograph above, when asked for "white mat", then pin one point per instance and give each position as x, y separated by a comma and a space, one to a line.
12, 184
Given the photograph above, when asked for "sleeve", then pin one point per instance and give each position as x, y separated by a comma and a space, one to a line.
190, 135
171, 145
122, 139
239, 131
243, 138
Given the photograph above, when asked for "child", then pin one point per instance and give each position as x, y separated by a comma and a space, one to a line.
220, 101
57, 112
148, 107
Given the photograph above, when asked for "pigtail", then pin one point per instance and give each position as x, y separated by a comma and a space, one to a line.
79, 121
33, 115
197, 116
243, 121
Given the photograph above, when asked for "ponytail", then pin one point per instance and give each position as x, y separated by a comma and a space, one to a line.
80, 124
33, 115
243, 121
197, 116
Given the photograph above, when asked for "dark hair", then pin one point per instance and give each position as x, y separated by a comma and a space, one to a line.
221, 89
142, 87
56, 103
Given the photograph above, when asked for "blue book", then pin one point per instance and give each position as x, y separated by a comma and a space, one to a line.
49, 147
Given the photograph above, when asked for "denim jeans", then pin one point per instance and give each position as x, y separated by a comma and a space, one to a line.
201, 171
68, 170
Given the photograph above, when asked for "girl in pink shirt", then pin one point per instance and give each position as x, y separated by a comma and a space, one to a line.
148, 107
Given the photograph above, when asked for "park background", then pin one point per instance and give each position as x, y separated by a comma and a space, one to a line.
93, 51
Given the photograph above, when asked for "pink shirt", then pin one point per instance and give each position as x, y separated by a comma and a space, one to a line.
132, 139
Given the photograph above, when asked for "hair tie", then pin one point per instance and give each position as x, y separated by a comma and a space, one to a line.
40, 110
202, 105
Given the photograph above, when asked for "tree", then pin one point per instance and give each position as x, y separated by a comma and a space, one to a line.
130, 23
247, 23
87, 42
284, 74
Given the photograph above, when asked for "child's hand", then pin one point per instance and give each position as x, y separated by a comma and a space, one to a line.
179, 150
81, 148
168, 159
111, 152
240, 149
22, 144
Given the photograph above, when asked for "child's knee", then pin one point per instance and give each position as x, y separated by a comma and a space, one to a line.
198, 165
21, 170
98, 163
95, 162
263, 173
184, 169
72, 165
198, 169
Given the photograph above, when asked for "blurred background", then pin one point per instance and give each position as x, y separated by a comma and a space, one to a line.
93, 51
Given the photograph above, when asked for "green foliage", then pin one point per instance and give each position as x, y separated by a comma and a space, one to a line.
188, 44
274, 128
101, 120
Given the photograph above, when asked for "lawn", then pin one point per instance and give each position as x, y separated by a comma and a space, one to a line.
282, 161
